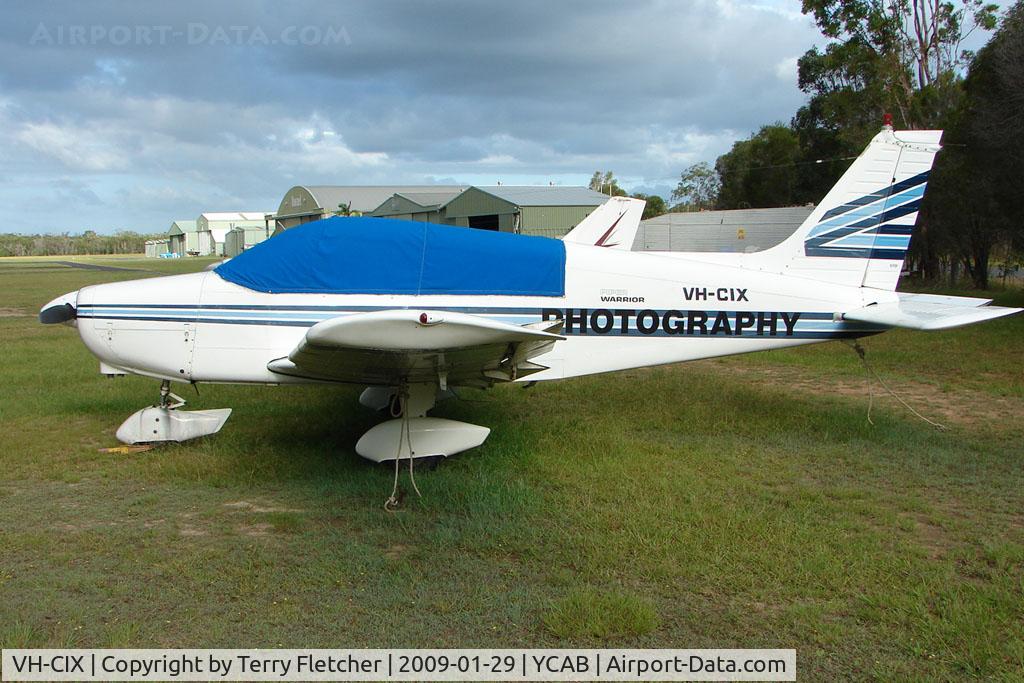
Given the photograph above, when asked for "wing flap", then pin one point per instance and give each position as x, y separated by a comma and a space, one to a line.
929, 312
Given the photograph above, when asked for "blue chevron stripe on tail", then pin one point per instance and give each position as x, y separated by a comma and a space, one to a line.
877, 225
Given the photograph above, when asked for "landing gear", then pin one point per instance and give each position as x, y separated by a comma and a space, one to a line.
167, 399
412, 434
164, 422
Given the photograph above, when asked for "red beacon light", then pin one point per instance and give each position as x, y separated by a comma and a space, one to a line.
887, 120
429, 318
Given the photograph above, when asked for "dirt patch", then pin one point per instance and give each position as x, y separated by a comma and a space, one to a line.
396, 551
248, 506
12, 312
932, 537
963, 406
260, 529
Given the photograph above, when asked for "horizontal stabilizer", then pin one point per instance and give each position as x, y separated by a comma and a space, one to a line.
929, 312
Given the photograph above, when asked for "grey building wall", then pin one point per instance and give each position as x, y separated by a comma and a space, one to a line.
742, 230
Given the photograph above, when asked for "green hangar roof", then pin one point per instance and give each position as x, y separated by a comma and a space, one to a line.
303, 200
509, 198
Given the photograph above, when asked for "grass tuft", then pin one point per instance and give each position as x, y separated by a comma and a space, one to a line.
602, 614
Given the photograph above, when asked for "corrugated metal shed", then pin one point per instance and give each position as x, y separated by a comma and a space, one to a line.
154, 248
239, 239
741, 230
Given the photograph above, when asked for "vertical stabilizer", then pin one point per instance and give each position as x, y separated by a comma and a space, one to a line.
612, 225
860, 232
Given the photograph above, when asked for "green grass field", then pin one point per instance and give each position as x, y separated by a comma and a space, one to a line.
742, 502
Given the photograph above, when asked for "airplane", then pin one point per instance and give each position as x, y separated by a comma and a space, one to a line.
412, 311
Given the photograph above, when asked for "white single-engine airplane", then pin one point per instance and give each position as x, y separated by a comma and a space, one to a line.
410, 310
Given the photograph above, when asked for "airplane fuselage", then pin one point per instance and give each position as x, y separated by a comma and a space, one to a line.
620, 310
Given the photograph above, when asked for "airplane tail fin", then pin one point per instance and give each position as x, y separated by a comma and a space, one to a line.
613, 224
860, 232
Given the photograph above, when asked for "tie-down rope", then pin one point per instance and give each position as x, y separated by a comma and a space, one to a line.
404, 435
862, 354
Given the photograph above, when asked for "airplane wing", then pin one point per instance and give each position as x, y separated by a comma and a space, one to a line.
930, 312
386, 348
612, 225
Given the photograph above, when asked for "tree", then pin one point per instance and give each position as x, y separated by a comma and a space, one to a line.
900, 55
605, 183
122, 242
698, 188
655, 205
972, 206
761, 171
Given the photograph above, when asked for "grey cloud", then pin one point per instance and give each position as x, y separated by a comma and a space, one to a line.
415, 91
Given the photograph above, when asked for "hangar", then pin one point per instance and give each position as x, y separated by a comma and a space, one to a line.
183, 238
545, 210
305, 203
738, 230
212, 228
422, 205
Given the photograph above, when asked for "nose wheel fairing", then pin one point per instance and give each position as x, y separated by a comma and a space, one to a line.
165, 422
156, 424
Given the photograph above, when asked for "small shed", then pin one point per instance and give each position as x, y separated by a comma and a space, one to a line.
238, 239
157, 248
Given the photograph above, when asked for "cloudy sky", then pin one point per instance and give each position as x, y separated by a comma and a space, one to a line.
127, 115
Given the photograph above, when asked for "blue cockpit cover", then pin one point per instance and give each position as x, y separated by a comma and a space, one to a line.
385, 256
